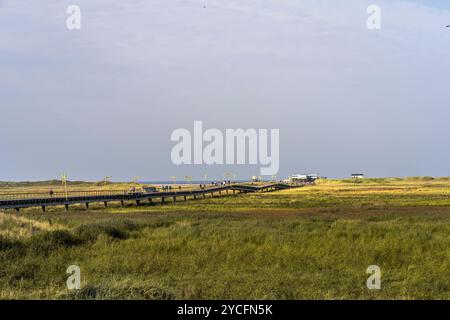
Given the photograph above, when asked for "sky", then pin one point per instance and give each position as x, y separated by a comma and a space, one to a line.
104, 100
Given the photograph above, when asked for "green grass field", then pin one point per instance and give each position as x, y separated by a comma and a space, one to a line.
314, 242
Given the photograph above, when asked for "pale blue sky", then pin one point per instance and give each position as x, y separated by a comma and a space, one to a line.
442, 4
104, 100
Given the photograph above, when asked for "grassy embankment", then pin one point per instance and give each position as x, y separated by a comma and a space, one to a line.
314, 242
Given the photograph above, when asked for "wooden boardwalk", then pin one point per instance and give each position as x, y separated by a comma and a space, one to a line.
19, 201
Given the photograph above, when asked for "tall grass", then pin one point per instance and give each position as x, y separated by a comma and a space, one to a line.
314, 242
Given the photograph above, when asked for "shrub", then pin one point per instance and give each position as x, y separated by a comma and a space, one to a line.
26, 269
6, 244
91, 232
142, 292
45, 242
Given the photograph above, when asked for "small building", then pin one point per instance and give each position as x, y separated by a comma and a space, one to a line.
256, 178
357, 175
312, 177
298, 178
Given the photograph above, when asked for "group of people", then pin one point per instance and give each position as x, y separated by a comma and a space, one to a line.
223, 183
168, 188
202, 186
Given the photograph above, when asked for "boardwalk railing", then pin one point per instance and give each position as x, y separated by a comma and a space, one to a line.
59, 194
44, 199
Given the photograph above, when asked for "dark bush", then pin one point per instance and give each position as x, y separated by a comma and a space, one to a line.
23, 270
7, 244
45, 242
90, 292
91, 232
